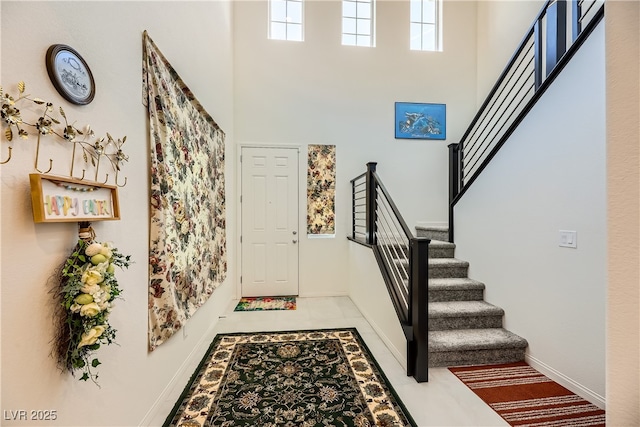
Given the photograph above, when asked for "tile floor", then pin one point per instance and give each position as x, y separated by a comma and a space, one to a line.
443, 401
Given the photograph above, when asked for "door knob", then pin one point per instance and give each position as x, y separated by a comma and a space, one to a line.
295, 232
294, 241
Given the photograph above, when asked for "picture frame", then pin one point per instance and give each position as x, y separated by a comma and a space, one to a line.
61, 199
420, 121
70, 74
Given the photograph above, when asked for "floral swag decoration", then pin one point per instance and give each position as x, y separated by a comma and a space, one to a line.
85, 300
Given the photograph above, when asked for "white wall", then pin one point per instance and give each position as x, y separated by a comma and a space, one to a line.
320, 92
196, 39
623, 192
501, 27
369, 293
550, 176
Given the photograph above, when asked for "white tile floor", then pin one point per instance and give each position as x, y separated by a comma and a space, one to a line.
443, 401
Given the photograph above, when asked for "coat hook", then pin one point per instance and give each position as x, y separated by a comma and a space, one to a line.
8, 158
106, 179
38, 154
82, 177
125, 181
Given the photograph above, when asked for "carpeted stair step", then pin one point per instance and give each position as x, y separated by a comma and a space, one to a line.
437, 249
438, 268
441, 249
455, 289
464, 315
433, 233
447, 268
475, 347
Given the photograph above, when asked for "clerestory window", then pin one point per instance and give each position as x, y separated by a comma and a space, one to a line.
286, 20
358, 23
425, 23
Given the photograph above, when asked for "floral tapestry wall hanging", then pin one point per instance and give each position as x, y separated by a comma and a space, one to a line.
321, 190
187, 254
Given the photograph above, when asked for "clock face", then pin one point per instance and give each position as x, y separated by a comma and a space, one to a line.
73, 74
70, 74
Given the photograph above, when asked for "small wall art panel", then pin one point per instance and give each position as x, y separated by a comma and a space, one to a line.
321, 190
420, 121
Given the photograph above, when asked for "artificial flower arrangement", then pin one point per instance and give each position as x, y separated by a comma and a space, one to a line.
88, 289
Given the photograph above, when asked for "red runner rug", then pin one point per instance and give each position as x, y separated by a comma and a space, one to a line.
524, 397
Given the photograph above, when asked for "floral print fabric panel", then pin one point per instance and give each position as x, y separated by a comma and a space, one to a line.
321, 189
187, 258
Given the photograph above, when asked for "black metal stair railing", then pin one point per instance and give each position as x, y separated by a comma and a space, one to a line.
537, 61
403, 260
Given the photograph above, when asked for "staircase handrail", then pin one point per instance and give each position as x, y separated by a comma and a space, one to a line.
384, 230
584, 19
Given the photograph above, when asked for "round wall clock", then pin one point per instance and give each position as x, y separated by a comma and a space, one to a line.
70, 74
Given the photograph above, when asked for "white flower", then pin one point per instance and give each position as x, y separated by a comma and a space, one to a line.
89, 338
90, 289
75, 308
93, 249
90, 310
92, 277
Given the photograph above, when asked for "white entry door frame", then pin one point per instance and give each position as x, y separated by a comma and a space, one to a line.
270, 218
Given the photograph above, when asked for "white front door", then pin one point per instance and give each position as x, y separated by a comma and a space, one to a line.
269, 221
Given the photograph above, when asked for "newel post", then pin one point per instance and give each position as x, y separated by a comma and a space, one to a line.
371, 204
418, 310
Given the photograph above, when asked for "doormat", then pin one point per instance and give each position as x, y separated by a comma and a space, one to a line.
301, 378
523, 396
266, 303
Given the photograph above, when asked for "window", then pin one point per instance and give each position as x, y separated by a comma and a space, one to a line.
285, 20
425, 25
358, 23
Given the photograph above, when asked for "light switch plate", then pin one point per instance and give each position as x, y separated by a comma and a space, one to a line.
568, 239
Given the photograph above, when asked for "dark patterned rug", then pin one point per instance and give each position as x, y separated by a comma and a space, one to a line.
302, 378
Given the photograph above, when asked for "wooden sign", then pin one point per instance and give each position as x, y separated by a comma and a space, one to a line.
60, 199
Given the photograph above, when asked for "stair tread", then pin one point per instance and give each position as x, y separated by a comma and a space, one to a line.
463, 309
454, 283
474, 339
440, 262
432, 227
446, 262
441, 244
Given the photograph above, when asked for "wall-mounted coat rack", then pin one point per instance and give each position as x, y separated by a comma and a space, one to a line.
49, 124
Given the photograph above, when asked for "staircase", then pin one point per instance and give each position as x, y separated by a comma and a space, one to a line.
463, 328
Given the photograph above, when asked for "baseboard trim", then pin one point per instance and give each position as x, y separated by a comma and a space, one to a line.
387, 342
181, 377
324, 295
567, 382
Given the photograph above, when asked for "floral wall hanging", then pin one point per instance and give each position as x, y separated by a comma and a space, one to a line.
187, 256
321, 189
84, 300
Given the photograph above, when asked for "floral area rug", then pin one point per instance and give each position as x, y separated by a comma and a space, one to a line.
266, 303
304, 378
524, 397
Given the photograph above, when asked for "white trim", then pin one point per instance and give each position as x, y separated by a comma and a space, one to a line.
323, 294
563, 380
400, 357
